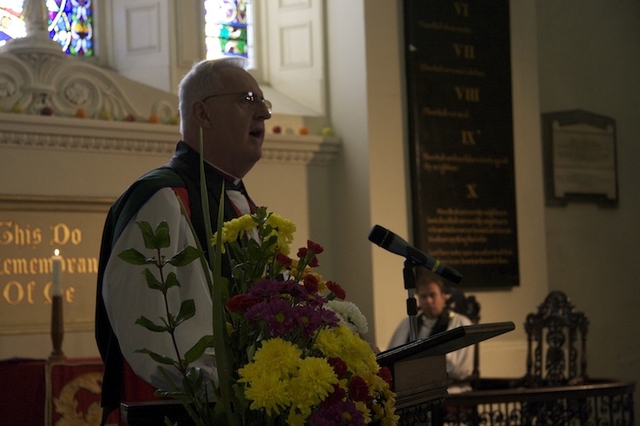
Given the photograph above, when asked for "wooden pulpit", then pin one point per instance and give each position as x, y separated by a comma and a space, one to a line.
419, 373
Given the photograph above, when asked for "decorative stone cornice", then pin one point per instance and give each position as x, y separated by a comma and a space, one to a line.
107, 136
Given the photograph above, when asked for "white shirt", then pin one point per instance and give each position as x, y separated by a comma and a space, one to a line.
459, 363
127, 296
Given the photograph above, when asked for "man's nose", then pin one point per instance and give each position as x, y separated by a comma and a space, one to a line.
263, 110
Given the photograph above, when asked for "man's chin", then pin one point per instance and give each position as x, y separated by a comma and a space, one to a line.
257, 155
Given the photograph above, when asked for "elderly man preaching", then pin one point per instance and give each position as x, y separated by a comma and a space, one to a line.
224, 103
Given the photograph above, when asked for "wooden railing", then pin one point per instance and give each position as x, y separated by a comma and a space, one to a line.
500, 402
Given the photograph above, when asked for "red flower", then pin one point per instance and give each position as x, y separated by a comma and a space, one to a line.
314, 247
339, 366
337, 395
358, 389
303, 253
385, 373
283, 260
311, 283
241, 302
336, 289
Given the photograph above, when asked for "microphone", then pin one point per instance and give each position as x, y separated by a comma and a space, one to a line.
393, 243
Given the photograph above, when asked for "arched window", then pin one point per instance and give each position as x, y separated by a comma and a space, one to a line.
229, 29
70, 24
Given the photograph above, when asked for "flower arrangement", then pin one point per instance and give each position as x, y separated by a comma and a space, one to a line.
291, 351
305, 362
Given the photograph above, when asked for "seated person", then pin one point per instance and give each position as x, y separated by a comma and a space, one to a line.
433, 318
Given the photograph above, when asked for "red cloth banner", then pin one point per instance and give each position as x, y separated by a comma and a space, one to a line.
39, 392
73, 392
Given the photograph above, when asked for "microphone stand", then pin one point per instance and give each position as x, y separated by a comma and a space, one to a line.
412, 305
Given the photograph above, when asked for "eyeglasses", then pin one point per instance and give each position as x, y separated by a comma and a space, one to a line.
248, 98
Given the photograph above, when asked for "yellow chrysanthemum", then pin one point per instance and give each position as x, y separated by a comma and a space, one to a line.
390, 418
233, 229
230, 328
342, 343
279, 356
296, 419
268, 391
322, 286
384, 412
366, 413
377, 385
328, 343
378, 411
284, 230
249, 372
312, 384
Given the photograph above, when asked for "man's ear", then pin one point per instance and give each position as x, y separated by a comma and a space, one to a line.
201, 114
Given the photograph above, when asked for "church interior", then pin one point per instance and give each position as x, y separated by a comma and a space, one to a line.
336, 161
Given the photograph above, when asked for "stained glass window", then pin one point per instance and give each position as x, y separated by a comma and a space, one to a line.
70, 24
229, 28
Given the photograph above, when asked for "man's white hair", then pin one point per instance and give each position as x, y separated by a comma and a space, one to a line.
201, 81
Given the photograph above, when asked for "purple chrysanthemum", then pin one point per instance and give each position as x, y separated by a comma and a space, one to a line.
265, 289
309, 320
277, 314
329, 318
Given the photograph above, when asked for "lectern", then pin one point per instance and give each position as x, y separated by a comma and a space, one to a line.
419, 373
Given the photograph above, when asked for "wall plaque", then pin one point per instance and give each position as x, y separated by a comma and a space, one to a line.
31, 228
580, 158
458, 71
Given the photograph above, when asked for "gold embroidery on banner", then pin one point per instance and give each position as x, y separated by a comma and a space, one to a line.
67, 405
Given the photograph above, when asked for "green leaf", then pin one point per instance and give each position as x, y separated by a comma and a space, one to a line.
168, 422
149, 325
163, 240
198, 349
171, 281
194, 377
169, 380
225, 291
152, 282
147, 234
185, 256
238, 390
134, 257
157, 357
177, 394
187, 310
223, 356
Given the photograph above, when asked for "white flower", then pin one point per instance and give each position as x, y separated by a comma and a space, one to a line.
349, 315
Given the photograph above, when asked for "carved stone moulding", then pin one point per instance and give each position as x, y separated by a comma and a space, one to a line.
41, 132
